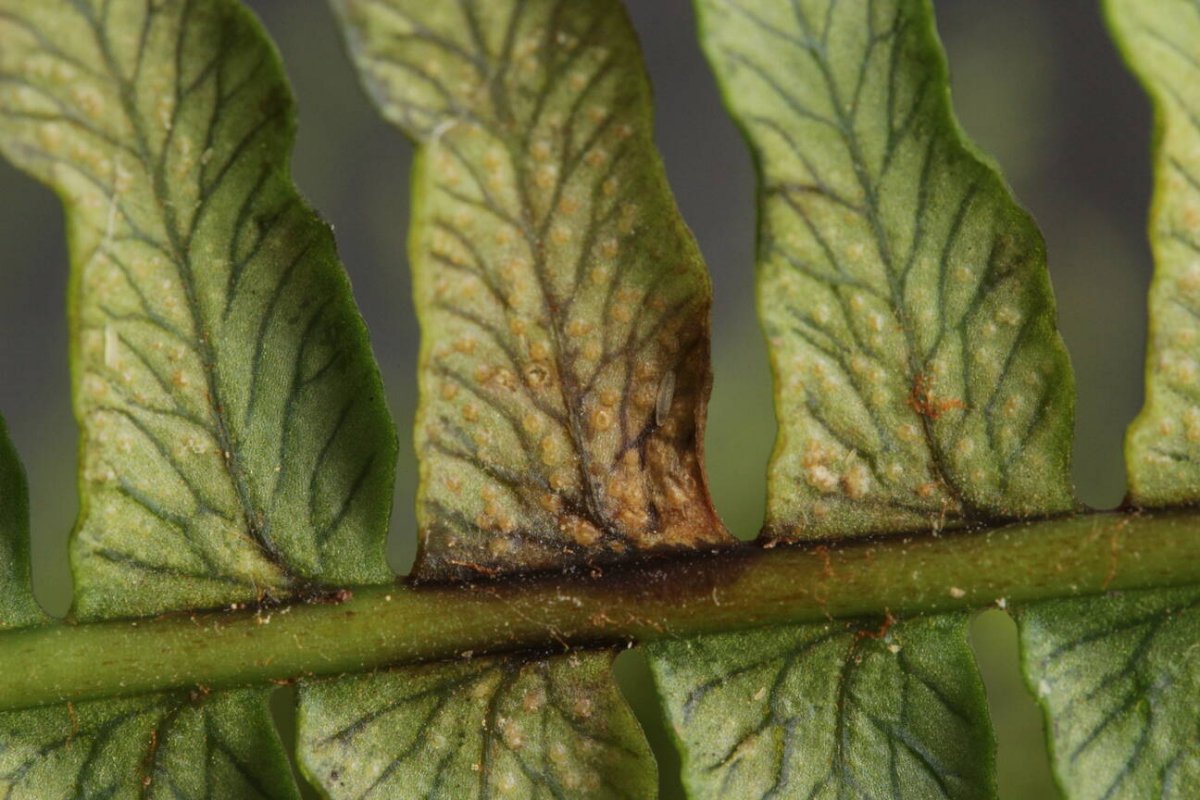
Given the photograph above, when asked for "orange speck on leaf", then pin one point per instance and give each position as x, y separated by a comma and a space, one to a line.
923, 401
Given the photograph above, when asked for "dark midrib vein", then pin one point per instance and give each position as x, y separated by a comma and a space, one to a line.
534, 237
182, 258
845, 126
840, 766
508, 675
163, 727
883, 245
571, 396
430, 721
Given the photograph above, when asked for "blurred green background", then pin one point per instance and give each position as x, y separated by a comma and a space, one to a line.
1036, 84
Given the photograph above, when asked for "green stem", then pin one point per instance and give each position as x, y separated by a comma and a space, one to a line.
749, 586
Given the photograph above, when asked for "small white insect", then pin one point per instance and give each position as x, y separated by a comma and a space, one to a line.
666, 393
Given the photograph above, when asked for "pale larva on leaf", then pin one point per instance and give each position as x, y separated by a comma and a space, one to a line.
666, 393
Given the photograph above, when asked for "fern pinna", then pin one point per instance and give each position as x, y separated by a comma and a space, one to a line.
237, 455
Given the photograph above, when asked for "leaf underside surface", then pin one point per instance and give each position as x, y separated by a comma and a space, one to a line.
1117, 678
235, 442
179, 746
1161, 41
564, 377
920, 383
563, 303
484, 727
830, 711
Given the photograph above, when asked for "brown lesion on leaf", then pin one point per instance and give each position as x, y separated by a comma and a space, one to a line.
565, 306
644, 473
